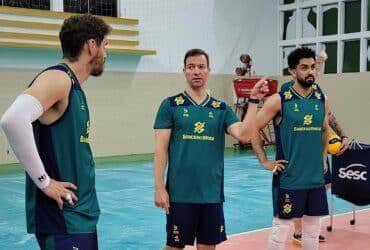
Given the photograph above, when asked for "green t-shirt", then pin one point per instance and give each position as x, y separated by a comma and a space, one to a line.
299, 139
196, 149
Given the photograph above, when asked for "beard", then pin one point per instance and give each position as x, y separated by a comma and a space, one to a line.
306, 82
97, 66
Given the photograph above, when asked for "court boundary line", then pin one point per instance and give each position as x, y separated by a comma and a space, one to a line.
266, 228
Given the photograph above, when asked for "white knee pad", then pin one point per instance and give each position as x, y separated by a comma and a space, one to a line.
279, 233
311, 226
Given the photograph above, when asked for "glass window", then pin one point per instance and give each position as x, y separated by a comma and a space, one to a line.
286, 51
309, 26
289, 25
331, 49
34, 4
330, 19
351, 56
352, 16
286, 1
311, 46
95, 7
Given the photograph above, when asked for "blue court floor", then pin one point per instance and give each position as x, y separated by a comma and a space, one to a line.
129, 219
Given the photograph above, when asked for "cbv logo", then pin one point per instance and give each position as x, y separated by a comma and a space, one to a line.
352, 172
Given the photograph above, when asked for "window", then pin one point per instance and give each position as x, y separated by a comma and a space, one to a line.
29, 4
95, 7
309, 25
311, 46
289, 29
351, 56
352, 16
340, 27
331, 63
286, 1
330, 20
286, 51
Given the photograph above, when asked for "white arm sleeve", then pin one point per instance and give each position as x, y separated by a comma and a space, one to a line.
17, 125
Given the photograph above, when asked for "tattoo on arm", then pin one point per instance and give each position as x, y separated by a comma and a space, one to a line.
333, 123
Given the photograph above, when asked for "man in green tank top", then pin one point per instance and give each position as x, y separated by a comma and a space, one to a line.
190, 132
48, 129
299, 113
334, 125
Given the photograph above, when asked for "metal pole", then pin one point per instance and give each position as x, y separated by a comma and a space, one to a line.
88, 6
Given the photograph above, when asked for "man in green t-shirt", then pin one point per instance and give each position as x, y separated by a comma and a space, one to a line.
190, 132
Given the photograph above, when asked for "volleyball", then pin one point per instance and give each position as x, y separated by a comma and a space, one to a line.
334, 144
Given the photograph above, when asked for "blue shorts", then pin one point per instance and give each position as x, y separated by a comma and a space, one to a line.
82, 241
296, 203
188, 221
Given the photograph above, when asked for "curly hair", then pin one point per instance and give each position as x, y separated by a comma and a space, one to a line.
296, 55
77, 29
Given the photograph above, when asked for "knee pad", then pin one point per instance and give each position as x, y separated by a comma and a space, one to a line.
311, 226
280, 229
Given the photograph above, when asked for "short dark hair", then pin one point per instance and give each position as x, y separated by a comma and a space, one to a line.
77, 29
196, 52
296, 55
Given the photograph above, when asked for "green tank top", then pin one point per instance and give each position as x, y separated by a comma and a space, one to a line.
299, 139
64, 147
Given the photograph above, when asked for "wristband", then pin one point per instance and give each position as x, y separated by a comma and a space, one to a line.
252, 100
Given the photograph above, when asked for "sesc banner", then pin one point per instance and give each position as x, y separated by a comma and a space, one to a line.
351, 175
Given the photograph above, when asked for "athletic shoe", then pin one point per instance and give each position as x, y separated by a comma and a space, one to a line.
297, 238
321, 238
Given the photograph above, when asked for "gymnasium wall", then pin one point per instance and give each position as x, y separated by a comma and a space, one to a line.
225, 29
123, 105
124, 100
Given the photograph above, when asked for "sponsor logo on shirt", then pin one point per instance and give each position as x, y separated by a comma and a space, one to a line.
288, 95
199, 129
216, 104
307, 121
179, 100
185, 113
85, 138
296, 109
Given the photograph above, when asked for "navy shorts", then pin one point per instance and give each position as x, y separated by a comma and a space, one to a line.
327, 176
82, 241
188, 221
296, 203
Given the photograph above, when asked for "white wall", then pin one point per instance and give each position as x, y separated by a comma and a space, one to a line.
225, 29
